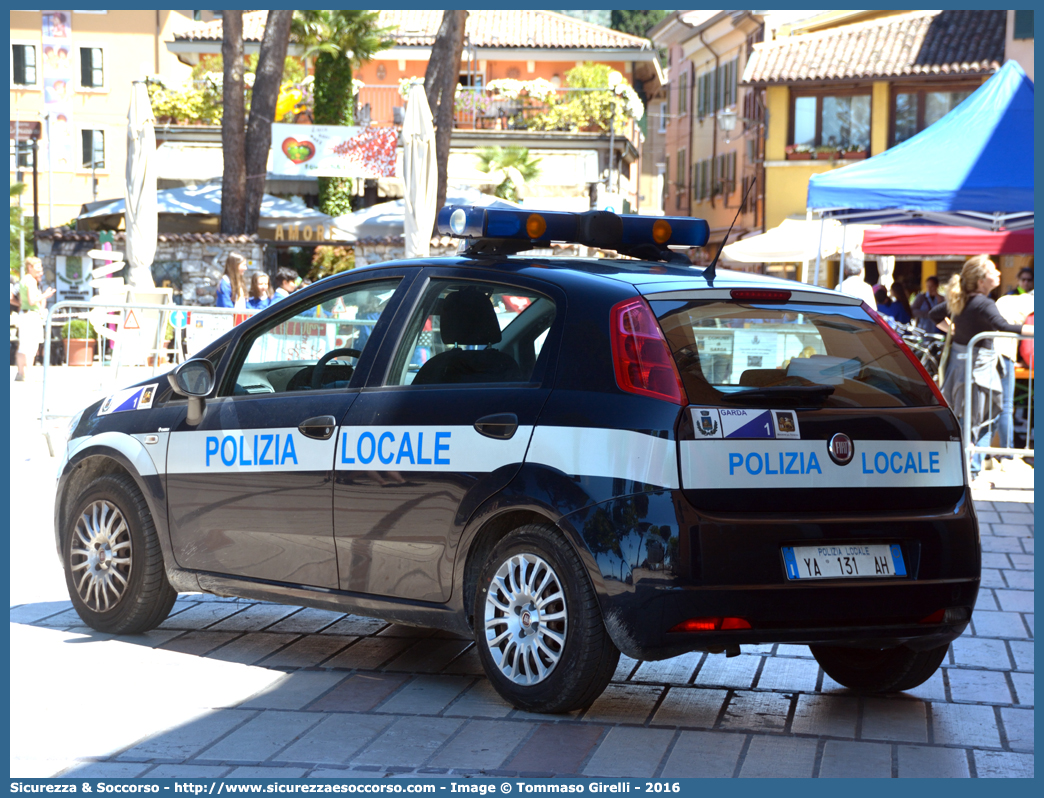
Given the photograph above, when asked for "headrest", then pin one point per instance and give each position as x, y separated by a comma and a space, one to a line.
468, 319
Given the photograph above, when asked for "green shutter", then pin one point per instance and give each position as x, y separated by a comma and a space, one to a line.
1023, 25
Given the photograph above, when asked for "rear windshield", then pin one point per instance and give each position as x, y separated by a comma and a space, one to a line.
810, 355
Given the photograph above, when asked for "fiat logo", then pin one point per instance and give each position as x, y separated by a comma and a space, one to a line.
841, 449
527, 619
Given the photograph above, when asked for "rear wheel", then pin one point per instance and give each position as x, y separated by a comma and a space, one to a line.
883, 670
113, 562
539, 630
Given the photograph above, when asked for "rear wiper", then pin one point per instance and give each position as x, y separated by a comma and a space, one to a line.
785, 392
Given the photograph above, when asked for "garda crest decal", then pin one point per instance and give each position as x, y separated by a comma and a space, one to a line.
706, 423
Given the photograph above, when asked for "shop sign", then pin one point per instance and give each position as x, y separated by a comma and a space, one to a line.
303, 232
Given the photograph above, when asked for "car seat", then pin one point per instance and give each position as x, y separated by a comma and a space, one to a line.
468, 319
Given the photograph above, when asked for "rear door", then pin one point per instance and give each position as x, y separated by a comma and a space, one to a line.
445, 424
800, 406
250, 488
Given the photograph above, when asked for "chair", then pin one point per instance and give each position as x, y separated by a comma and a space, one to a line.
468, 319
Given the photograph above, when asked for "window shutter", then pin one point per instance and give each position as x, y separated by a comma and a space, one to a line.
18, 57
732, 171
85, 67
1023, 25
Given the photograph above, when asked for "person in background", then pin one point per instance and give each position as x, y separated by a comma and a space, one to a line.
231, 289
285, 283
1016, 309
855, 283
259, 298
900, 305
924, 302
971, 311
1025, 285
884, 304
34, 313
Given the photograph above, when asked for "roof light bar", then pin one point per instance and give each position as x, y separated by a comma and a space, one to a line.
521, 229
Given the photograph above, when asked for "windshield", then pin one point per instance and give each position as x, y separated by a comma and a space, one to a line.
729, 353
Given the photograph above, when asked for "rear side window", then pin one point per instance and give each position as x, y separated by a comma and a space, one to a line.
473, 333
734, 354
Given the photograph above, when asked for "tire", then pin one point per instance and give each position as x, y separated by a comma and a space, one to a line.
533, 585
884, 670
112, 559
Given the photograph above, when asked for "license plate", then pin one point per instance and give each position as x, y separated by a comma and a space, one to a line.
846, 561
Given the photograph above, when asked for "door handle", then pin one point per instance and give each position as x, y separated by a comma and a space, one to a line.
499, 425
321, 427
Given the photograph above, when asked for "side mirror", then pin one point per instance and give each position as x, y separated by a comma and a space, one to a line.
194, 379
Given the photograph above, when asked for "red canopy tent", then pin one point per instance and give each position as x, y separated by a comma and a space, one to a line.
923, 240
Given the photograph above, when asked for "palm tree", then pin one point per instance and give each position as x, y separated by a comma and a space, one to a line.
513, 165
340, 40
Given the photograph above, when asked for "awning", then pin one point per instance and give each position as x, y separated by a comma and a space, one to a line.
795, 241
927, 240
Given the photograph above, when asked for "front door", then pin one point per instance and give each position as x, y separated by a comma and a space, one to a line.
447, 427
250, 487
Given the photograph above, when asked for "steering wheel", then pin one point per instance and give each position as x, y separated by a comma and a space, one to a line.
317, 372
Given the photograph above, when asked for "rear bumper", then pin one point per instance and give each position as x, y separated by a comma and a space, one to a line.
677, 563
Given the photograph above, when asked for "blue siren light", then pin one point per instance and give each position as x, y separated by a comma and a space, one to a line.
500, 230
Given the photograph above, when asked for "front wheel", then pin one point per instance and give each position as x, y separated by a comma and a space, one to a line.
884, 670
538, 627
113, 562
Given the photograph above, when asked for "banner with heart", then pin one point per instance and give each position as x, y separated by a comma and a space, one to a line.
298, 151
333, 150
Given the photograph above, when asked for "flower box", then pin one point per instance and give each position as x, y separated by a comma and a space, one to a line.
799, 156
854, 155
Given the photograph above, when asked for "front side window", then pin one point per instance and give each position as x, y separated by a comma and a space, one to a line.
472, 333
809, 355
315, 347
23, 64
841, 121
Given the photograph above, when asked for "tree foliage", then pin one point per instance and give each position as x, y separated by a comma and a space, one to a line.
339, 40
636, 23
19, 223
330, 260
604, 96
513, 165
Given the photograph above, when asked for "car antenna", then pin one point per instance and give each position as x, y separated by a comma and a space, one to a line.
709, 273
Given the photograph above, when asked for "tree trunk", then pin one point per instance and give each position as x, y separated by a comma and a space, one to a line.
440, 86
233, 179
267, 81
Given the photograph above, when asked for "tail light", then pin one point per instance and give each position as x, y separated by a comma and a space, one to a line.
906, 351
642, 359
759, 295
709, 625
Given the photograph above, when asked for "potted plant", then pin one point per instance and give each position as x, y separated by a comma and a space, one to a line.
825, 152
798, 152
78, 343
853, 153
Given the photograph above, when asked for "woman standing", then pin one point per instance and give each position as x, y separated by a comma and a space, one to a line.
971, 311
259, 298
900, 303
33, 315
231, 290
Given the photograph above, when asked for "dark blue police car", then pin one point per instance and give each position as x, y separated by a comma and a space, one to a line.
565, 458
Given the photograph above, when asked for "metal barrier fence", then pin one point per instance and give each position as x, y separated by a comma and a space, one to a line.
154, 354
986, 428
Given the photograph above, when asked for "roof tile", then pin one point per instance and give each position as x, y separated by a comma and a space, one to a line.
487, 28
917, 43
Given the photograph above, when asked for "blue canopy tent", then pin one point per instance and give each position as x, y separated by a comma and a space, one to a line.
973, 167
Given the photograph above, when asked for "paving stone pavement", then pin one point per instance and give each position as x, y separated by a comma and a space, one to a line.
339, 696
